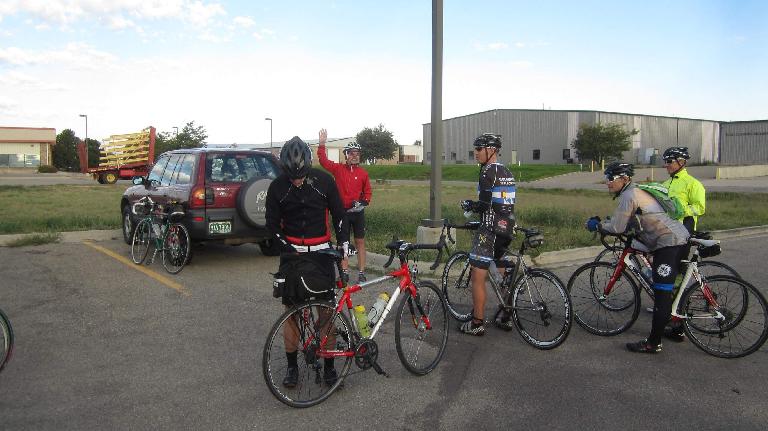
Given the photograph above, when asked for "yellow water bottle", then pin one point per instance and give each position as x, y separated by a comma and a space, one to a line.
362, 321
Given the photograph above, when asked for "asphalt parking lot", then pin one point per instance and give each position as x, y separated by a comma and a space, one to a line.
103, 345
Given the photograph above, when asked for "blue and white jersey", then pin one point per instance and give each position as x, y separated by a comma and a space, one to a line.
496, 187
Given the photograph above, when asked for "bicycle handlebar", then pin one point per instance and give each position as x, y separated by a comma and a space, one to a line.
403, 248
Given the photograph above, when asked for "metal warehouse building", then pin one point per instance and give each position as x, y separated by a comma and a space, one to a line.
744, 142
545, 136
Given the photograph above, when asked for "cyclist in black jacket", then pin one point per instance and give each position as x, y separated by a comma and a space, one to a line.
297, 207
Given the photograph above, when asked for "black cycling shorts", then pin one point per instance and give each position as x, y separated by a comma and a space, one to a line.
356, 223
666, 265
487, 246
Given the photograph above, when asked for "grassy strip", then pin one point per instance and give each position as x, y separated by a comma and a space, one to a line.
464, 172
35, 239
395, 210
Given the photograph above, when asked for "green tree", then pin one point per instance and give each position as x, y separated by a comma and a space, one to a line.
65, 151
376, 143
601, 142
93, 151
190, 136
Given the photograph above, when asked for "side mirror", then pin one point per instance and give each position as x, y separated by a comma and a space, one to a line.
137, 180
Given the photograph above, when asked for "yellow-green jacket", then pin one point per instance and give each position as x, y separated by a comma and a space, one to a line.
690, 191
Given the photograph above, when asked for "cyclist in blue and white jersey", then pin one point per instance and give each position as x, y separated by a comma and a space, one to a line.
496, 206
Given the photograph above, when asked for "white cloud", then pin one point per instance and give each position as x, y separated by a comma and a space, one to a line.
201, 14
494, 46
66, 12
79, 55
244, 21
117, 22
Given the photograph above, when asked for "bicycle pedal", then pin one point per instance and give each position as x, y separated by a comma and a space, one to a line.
379, 370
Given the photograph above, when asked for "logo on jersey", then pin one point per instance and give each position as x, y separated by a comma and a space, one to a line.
664, 270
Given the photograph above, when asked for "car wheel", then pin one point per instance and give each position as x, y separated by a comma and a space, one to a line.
252, 201
269, 247
128, 225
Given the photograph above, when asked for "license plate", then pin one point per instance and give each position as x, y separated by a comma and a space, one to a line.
219, 227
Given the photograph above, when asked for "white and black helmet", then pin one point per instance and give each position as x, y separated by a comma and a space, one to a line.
619, 169
296, 158
488, 140
675, 153
352, 146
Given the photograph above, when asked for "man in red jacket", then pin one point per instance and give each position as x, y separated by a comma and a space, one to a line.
355, 190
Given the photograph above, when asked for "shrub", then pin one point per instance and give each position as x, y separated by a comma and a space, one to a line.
47, 169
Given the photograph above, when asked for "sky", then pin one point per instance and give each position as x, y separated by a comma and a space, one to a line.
346, 65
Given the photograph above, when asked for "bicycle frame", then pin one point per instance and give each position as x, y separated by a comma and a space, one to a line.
406, 284
691, 271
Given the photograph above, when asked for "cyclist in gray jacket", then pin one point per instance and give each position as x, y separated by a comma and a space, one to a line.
639, 212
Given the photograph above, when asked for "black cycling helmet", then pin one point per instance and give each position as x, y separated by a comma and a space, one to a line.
488, 140
675, 153
619, 169
296, 158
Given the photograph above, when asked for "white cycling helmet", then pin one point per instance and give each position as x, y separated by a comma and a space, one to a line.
352, 146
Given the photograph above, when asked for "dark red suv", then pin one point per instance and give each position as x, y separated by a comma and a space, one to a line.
223, 192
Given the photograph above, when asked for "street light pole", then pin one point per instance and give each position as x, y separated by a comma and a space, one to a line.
86, 128
270, 132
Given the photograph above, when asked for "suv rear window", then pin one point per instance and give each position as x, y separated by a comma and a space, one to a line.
238, 168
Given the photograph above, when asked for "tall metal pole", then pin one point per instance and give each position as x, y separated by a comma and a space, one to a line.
86, 129
435, 202
270, 132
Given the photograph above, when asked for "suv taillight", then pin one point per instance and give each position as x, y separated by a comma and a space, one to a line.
199, 197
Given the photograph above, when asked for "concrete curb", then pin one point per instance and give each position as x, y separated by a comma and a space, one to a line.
375, 262
555, 259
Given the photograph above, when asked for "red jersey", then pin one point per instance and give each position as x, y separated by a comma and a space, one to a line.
352, 180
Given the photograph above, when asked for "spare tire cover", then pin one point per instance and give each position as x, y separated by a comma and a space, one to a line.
252, 201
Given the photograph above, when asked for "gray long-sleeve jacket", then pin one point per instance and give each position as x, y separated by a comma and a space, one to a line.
656, 229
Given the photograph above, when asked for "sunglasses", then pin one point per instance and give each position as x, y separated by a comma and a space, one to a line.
611, 178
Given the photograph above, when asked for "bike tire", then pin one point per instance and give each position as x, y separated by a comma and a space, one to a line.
176, 248
141, 241
421, 347
457, 286
744, 326
542, 309
597, 314
310, 389
6, 340
608, 255
708, 268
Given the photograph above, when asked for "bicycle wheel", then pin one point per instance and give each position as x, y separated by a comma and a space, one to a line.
608, 255
421, 329
176, 247
457, 286
708, 268
542, 309
736, 327
598, 313
6, 340
142, 239
306, 328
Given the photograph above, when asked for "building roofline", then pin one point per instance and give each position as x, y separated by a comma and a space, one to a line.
28, 128
577, 110
744, 121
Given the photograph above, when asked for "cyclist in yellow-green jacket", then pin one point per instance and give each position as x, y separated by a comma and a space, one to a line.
690, 192
685, 187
